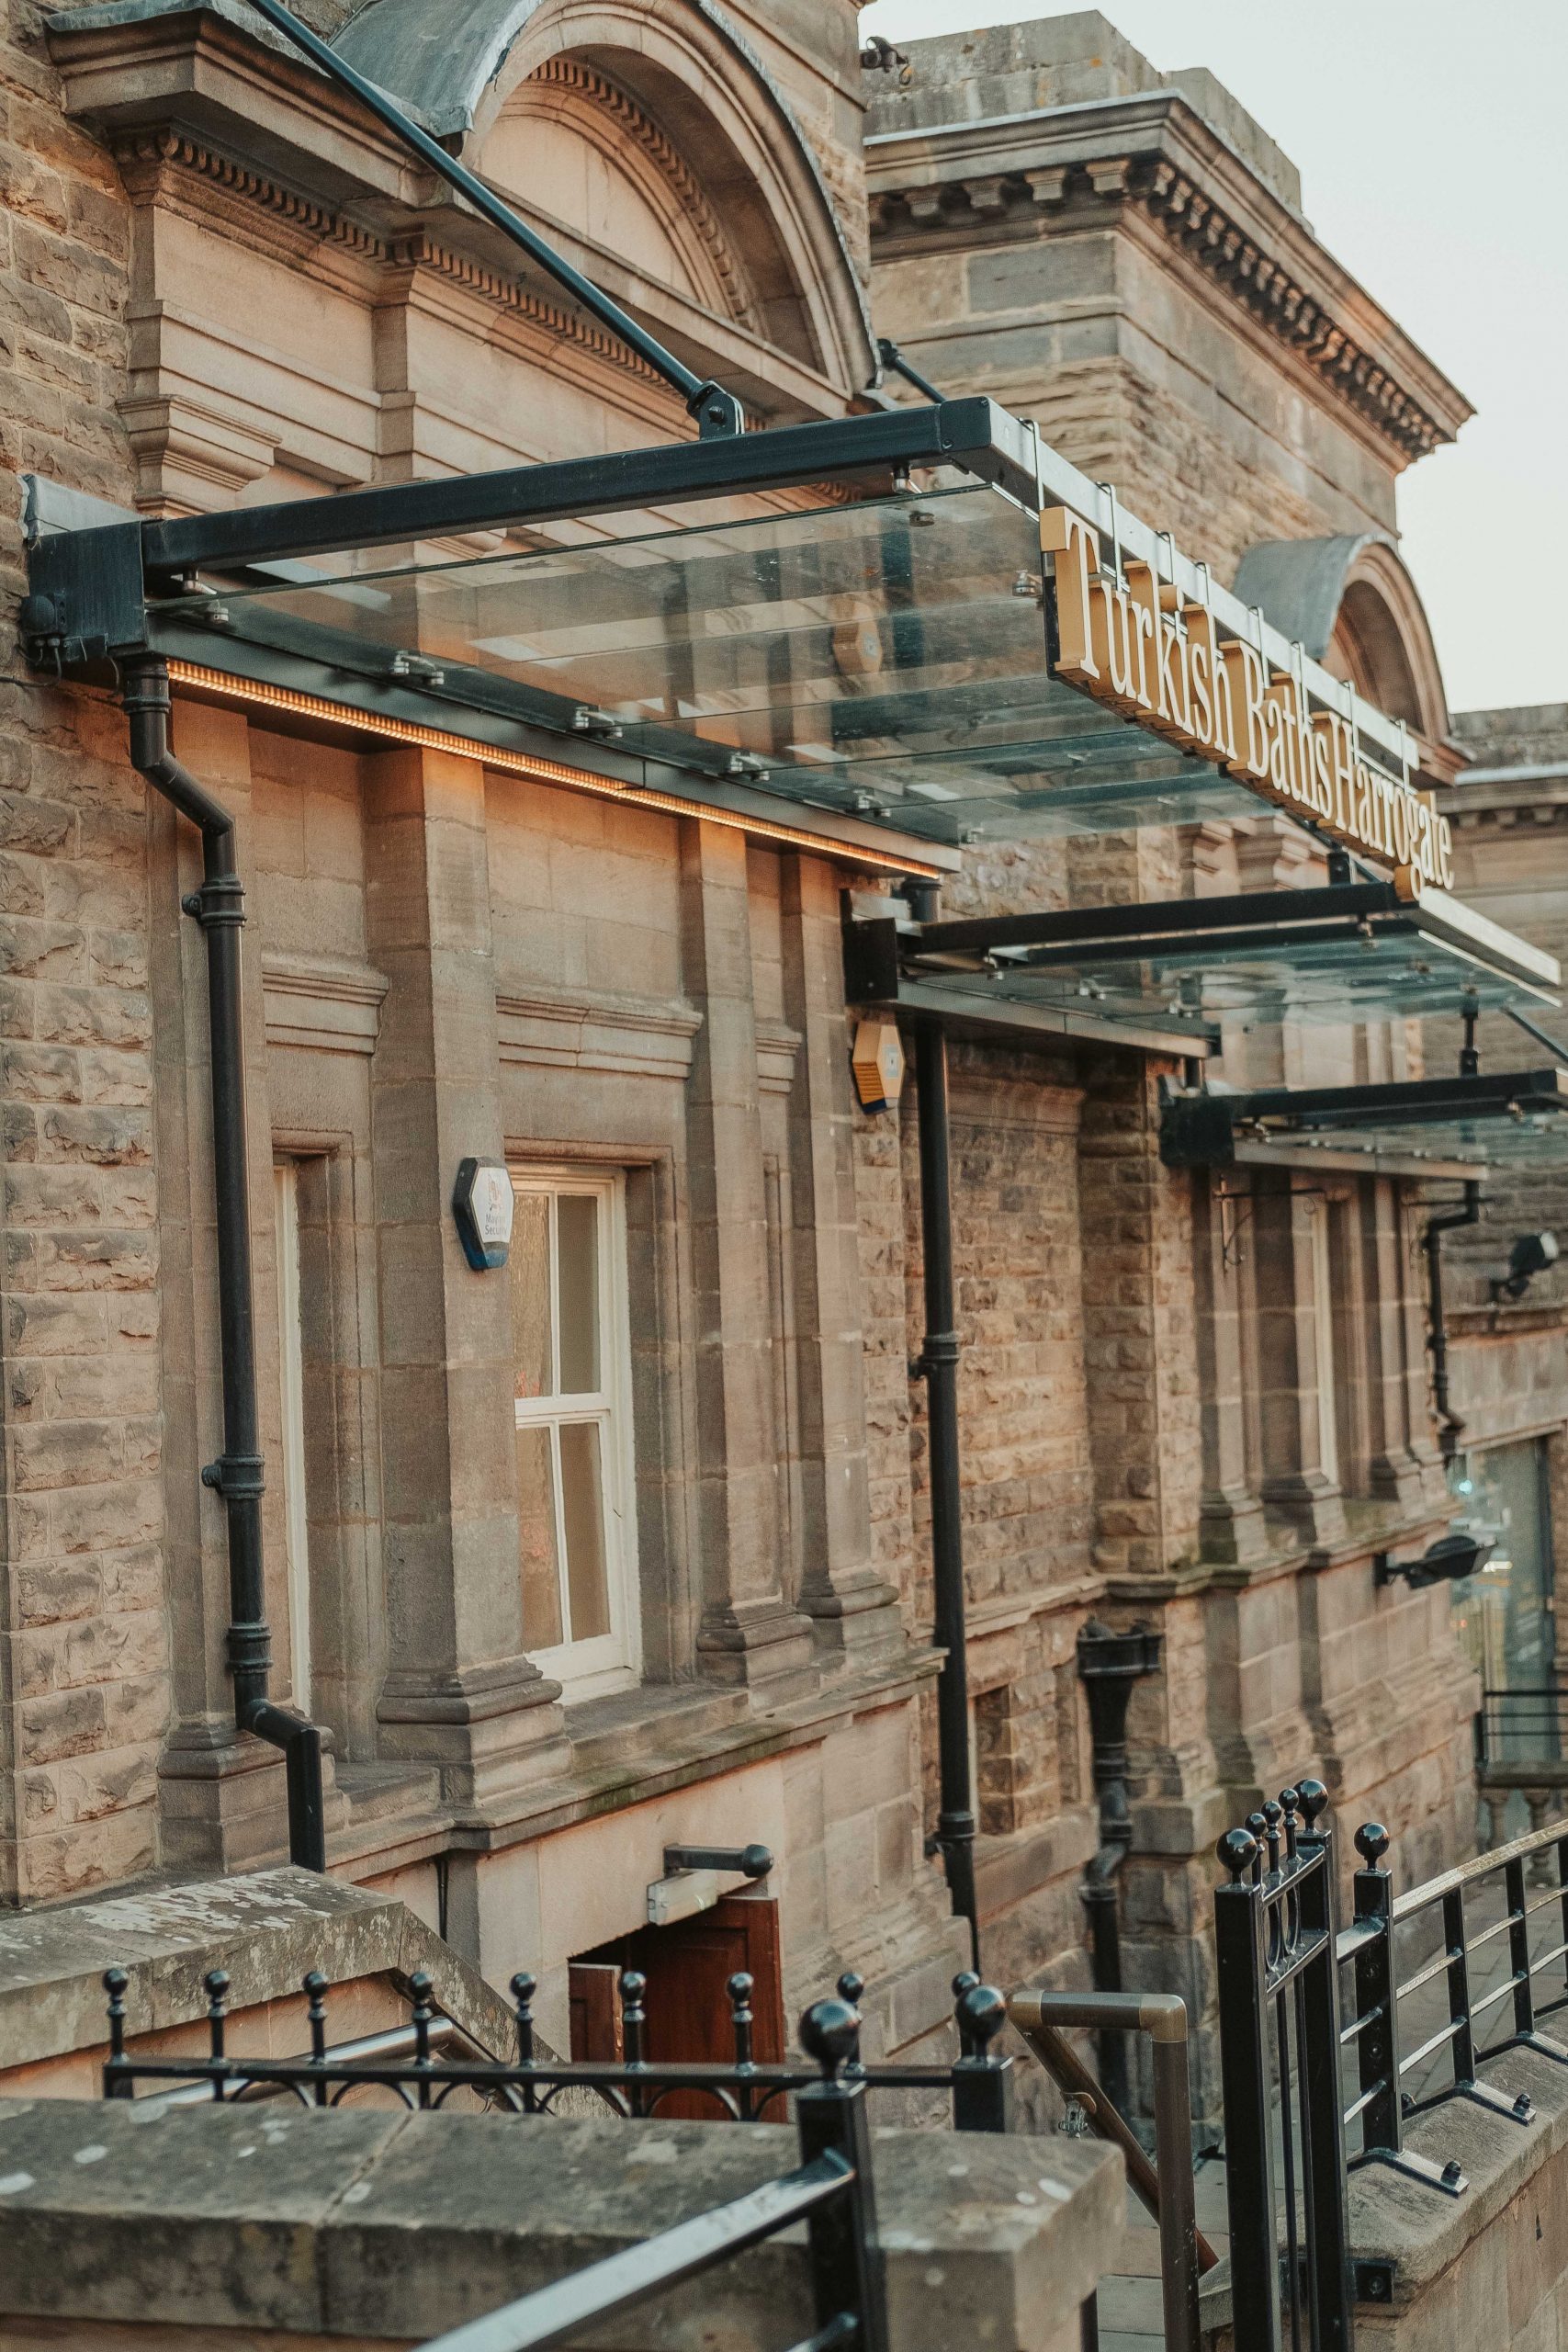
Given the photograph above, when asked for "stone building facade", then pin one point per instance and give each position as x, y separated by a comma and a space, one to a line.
1124, 257
223, 286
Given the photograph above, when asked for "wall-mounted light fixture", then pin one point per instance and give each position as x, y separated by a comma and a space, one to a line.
695, 1876
1532, 1254
1449, 1558
878, 1062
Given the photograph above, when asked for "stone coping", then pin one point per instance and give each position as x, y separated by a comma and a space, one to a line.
266, 1928
394, 2226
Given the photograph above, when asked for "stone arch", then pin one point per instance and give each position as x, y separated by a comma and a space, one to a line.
1352, 605
752, 230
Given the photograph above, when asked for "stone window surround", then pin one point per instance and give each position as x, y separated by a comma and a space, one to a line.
1268, 1453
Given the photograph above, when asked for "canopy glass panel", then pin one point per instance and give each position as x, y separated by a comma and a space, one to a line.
1516, 1123
1392, 970
883, 659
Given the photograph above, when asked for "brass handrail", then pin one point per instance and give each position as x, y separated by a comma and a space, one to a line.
1164, 2187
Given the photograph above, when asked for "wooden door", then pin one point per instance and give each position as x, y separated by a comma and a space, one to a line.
688, 1967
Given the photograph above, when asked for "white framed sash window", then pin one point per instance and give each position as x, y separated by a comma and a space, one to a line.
575, 1492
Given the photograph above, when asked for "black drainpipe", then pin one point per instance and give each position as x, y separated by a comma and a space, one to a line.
938, 1366
1108, 1665
1449, 1423
219, 908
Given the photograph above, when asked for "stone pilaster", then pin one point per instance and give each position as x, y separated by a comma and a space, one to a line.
1394, 1466
1231, 1522
748, 1633
850, 1604
1139, 1342
1296, 1359
459, 1692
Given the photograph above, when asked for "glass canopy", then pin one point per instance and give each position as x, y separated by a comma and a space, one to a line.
1515, 1123
1429, 956
884, 659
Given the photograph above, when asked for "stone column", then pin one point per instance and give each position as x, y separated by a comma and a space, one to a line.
1295, 1355
749, 1633
852, 1607
459, 1692
1231, 1525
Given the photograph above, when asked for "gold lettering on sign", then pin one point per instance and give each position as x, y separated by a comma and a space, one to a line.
1135, 645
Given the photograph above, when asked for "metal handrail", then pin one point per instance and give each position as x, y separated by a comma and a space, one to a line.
1166, 2187
1464, 1874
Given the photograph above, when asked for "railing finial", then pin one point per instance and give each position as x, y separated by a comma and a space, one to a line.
1237, 1849
980, 2015
1314, 1800
523, 1988
829, 2033
1371, 1842
117, 1982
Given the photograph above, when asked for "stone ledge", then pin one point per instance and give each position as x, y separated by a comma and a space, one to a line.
265, 1928
393, 2226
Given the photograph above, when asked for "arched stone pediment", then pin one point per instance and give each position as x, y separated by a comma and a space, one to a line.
1351, 604
653, 127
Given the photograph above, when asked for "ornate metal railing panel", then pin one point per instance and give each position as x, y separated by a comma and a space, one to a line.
428, 2064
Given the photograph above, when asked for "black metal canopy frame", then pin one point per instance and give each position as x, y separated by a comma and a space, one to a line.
1441, 1123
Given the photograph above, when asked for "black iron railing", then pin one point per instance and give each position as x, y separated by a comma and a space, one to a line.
1484, 1985
1522, 1728
428, 2064
1274, 1930
1442, 1980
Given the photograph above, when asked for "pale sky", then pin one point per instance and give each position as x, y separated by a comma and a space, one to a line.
1432, 140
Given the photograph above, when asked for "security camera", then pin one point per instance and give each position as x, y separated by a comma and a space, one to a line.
1531, 1255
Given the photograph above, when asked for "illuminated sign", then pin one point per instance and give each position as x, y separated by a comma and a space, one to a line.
1129, 638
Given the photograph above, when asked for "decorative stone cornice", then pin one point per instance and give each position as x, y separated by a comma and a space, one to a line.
1153, 157
147, 160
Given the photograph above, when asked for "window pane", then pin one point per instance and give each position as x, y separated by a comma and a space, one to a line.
577, 1245
536, 1541
582, 1507
529, 1262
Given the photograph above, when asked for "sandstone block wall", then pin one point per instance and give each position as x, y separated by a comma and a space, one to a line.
84, 1682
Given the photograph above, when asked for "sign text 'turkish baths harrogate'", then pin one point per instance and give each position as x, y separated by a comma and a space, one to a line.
1135, 645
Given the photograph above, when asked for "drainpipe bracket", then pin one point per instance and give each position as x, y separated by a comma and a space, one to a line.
941, 1348
238, 1477
221, 899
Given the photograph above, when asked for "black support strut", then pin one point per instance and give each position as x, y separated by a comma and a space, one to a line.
939, 1367
716, 410
219, 908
